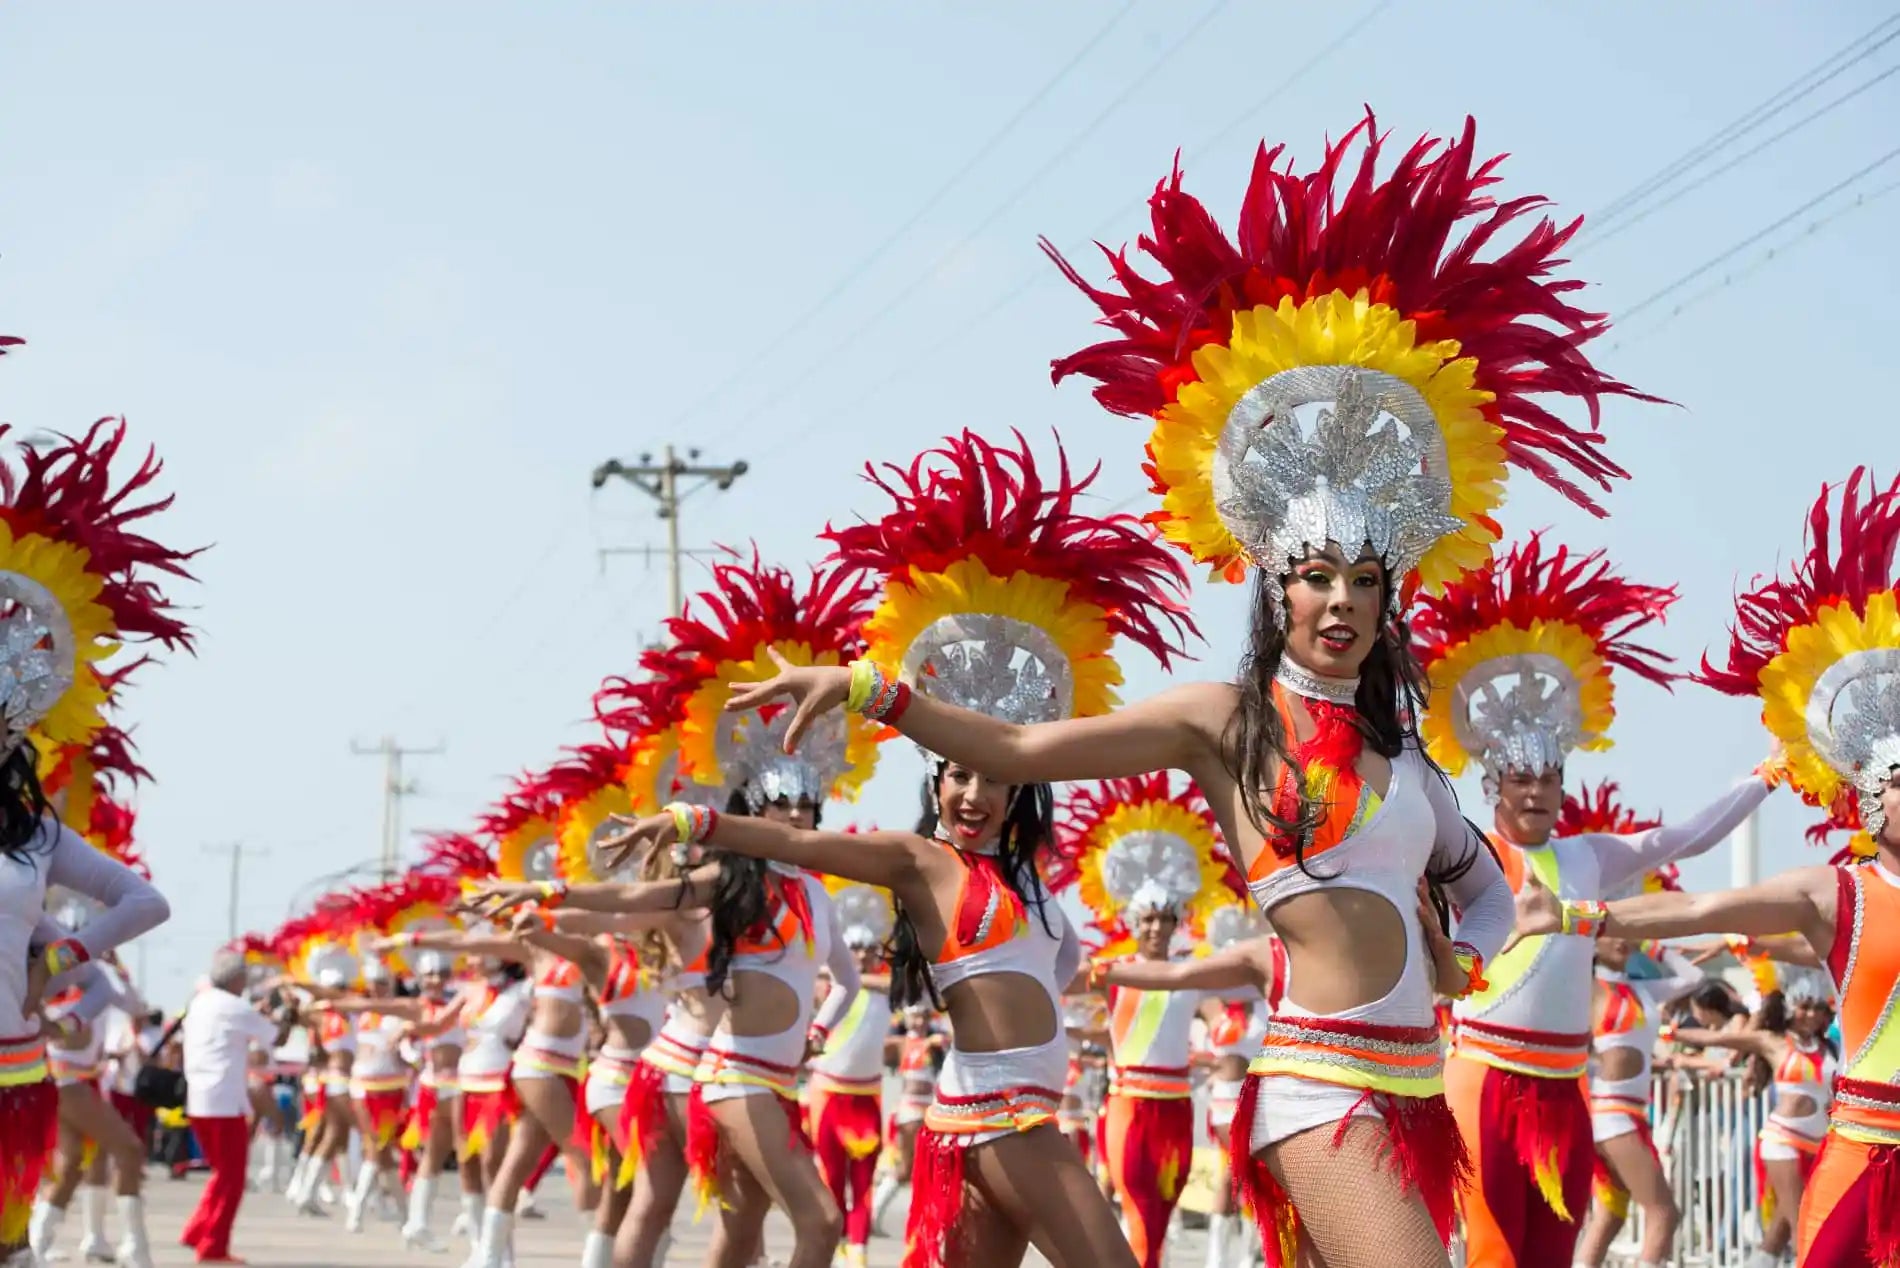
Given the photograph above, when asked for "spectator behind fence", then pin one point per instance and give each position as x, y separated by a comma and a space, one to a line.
220, 1028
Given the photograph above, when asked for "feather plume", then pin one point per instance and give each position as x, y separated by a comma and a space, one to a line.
1300, 236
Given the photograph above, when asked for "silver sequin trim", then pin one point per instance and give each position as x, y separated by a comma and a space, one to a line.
1853, 721
38, 657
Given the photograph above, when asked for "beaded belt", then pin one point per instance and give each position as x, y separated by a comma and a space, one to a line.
1158, 1083
547, 1061
372, 1084
483, 1082
1401, 1060
22, 1061
1866, 1112
1541, 1054
1014, 1109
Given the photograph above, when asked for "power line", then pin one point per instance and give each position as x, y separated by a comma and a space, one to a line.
661, 482
1776, 252
238, 851
1744, 156
850, 276
1757, 236
850, 340
1867, 44
395, 789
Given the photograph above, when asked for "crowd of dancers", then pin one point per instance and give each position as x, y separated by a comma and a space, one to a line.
656, 961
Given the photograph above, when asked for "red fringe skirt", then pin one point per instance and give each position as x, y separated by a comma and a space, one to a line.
484, 1112
705, 1149
642, 1119
29, 1108
1428, 1152
415, 1134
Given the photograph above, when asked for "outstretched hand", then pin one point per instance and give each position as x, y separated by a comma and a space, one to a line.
812, 689
1539, 912
489, 899
636, 837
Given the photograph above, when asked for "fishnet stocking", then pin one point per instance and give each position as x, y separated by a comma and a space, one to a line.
1354, 1211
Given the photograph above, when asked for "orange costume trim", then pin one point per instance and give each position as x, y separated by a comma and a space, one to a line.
937, 1182
1850, 1211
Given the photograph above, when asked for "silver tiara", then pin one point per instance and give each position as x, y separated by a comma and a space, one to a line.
1235, 922
38, 657
1373, 472
1522, 712
1151, 870
1853, 721
864, 913
752, 755
993, 664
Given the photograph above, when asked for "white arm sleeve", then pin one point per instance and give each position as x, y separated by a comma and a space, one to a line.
1486, 913
844, 975
1068, 955
132, 905
1625, 859
1683, 978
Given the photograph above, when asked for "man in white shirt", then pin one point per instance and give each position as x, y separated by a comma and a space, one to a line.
220, 1028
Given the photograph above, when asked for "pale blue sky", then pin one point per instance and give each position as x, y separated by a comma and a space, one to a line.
385, 282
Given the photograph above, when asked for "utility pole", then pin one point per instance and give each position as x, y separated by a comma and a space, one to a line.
237, 850
395, 788
661, 480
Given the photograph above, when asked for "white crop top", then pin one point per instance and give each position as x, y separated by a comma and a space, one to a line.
1003, 938
784, 954
1417, 824
1151, 1029
630, 992
1806, 1071
377, 1037
855, 1048
494, 1030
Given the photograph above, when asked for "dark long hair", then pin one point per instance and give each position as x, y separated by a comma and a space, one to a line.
23, 805
1392, 691
1028, 826
738, 904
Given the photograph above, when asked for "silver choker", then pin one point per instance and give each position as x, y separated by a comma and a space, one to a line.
1303, 682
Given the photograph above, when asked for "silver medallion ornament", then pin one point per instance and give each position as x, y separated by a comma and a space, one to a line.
993, 664
1853, 721
864, 913
1150, 870
38, 658
541, 860
1236, 922
752, 756
1372, 475
1522, 712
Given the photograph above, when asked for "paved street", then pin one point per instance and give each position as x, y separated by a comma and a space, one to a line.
270, 1235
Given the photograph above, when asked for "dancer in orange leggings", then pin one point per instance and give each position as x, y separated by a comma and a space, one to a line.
1821, 647
1148, 859
1522, 655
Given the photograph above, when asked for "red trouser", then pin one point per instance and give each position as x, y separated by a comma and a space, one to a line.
225, 1144
844, 1130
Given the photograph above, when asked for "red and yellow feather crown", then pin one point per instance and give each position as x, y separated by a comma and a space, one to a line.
999, 594
76, 580
1328, 295
590, 784
725, 640
1521, 655
1149, 843
524, 827
1821, 647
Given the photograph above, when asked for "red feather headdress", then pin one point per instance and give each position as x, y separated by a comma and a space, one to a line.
1521, 656
981, 550
1149, 840
590, 782
1385, 274
522, 826
1821, 647
69, 543
724, 641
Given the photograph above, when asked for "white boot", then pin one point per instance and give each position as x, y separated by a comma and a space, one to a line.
1219, 1231
526, 1208
267, 1164
881, 1198
468, 1222
415, 1231
93, 1246
498, 1239
358, 1201
135, 1248
42, 1227
598, 1250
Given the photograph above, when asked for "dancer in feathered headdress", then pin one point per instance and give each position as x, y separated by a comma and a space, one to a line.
1001, 603
1150, 863
77, 580
1522, 657
1821, 647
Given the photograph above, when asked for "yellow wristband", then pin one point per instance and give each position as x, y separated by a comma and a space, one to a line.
682, 822
863, 680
